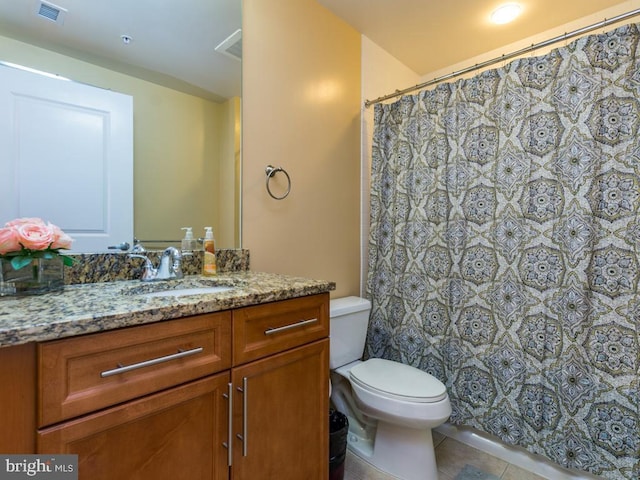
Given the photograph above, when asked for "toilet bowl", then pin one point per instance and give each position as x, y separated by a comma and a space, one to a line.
391, 407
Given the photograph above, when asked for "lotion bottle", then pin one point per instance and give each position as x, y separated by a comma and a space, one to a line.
189, 243
209, 266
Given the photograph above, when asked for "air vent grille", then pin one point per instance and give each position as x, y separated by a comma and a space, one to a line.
235, 49
51, 12
232, 45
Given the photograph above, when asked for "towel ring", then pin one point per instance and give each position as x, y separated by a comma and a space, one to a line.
271, 171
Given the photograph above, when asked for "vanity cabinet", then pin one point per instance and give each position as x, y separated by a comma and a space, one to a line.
240, 395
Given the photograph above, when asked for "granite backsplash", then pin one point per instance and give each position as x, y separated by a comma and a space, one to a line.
110, 267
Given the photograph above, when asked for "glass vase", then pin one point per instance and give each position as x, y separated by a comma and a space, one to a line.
42, 275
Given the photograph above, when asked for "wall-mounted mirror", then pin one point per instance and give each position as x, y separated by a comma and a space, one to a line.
181, 63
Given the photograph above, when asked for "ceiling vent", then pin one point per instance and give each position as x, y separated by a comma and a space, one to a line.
51, 12
232, 45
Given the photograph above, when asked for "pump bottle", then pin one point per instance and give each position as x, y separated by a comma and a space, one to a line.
189, 243
209, 266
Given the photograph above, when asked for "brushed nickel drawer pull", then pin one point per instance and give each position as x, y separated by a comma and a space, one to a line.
154, 361
229, 443
244, 415
301, 323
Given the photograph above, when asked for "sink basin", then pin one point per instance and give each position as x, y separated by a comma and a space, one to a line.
183, 292
180, 288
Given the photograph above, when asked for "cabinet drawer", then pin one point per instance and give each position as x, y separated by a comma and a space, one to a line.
84, 374
262, 330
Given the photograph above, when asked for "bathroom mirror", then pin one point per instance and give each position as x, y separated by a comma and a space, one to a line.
182, 67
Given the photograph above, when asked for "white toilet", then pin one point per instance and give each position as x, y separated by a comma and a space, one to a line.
391, 407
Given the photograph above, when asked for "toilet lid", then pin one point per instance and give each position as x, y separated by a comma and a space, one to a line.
397, 380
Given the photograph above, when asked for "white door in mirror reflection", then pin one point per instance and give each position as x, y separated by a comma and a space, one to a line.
66, 156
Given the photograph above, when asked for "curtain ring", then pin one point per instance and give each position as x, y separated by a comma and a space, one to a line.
271, 171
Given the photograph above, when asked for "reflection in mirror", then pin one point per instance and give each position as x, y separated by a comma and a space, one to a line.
186, 98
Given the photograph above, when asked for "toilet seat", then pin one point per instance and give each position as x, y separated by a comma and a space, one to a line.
397, 381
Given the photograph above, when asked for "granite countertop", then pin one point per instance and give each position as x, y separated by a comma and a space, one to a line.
96, 307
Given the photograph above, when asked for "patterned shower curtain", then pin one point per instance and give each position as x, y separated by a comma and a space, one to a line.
504, 249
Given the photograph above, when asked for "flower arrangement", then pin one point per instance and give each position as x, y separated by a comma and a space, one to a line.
24, 239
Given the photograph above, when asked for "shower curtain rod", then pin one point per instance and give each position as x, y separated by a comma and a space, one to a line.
507, 56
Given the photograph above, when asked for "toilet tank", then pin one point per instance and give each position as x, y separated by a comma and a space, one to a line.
349, 317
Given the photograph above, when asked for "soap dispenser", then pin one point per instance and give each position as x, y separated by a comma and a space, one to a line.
209, 267
189, 243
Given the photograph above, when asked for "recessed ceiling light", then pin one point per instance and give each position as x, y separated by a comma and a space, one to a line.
505, 13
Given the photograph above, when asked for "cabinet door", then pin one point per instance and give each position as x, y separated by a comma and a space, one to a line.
280, 416
175, 434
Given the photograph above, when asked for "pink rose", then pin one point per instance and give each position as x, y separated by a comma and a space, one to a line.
24, 221
35, 236
9, 240
60, 239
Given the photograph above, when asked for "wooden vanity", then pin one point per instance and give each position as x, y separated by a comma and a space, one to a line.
240, 393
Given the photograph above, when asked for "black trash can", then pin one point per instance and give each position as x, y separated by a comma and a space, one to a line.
338, 430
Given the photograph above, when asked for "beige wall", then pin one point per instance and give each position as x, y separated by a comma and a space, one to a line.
179, 142
301, 111
230, 180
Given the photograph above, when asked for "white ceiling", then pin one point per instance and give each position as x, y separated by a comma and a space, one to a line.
173, 40
428, 35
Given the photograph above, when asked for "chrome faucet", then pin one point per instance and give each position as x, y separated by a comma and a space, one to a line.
170, 266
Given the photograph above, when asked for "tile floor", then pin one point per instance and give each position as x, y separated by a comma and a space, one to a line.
451, 457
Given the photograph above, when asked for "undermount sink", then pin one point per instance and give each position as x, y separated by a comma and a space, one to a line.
179, 288
183, 292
